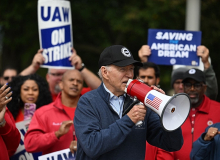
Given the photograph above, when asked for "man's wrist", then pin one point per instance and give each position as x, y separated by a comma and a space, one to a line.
2, 124
83, 66
206, 65
58, 135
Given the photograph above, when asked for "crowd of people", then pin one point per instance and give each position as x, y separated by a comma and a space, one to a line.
90, 121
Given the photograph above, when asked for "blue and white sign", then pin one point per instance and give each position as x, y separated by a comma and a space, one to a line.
55, 32
172, 47
21, 153
59, 155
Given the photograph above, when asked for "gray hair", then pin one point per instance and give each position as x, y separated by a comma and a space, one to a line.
100, 72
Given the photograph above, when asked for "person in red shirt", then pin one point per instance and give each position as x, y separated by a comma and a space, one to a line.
9, 134
52, 125
54, 75
153, 152
203, 113
30, 89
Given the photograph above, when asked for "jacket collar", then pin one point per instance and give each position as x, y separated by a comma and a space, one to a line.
105, 95
58, 102
204, 106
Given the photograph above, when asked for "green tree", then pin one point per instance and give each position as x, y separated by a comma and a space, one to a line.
98, 24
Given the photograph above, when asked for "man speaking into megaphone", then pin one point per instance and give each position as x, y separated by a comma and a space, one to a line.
102, 132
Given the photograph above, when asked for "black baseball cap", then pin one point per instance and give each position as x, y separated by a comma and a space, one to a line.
178, 74
195, 74
117, 55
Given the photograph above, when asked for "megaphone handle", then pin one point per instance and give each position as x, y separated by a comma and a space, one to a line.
139, 123
129, 107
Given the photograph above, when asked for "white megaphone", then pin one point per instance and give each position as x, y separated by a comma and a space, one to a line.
173, 110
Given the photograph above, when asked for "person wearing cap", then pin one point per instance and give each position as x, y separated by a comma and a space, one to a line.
211, 81
101, 130
203, 113
177, 78
177, 74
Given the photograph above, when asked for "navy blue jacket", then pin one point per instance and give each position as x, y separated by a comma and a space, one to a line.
102, 135
206, 150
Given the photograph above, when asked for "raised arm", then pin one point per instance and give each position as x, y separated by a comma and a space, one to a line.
144, 52
35, 65
45, 137
90, 78
205, 147
211, 81
9, 134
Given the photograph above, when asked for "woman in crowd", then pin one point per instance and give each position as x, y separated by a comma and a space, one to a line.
32, 90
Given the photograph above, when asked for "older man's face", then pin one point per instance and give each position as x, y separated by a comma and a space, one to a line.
116, 78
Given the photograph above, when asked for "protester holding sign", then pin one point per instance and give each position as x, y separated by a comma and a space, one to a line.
211, 81
28, 89
176, 82
177, 76
54, 75
52, 125
55, 36
171, 47
9, 134
55, 32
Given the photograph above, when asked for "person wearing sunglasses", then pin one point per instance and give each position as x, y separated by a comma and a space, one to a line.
7, 75
203, 113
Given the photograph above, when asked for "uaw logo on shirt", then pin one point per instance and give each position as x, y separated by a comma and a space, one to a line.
125, 52
210, 122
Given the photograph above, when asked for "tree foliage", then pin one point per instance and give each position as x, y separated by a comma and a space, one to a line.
98, 24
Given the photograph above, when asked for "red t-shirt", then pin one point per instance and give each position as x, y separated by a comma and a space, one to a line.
20, 117
84, 90
71, 113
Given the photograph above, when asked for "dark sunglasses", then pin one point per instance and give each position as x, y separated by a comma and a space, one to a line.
196, 86
56, 74
7, 78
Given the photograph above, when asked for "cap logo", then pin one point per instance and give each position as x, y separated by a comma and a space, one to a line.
192, 71
125, 52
